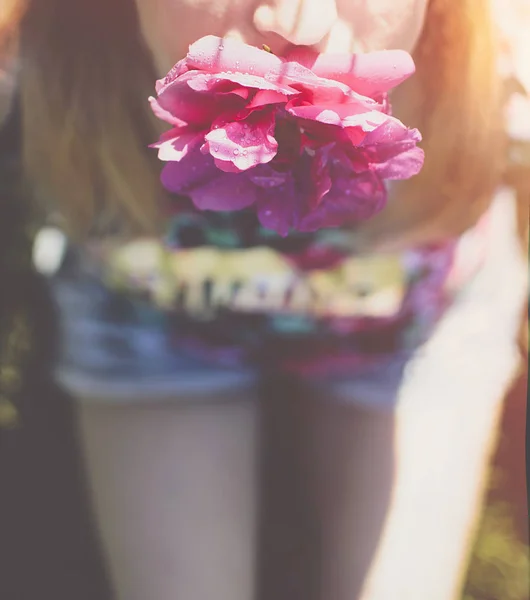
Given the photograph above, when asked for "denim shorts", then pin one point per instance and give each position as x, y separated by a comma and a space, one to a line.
108, 357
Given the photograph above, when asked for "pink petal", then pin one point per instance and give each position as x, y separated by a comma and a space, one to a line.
179, 69
391, 130
216, 84
369, 121
214, 54
357, 127
266, 97
241, 92
226, 192
369, 74
186, 104
322, 113
239, 83
225, 165
245, 144
316, 113
259, 83
318, 90
175, 144
165, 115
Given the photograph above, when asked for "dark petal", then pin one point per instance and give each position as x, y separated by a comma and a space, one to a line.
352, 199
195, 168
226, 192
279, 208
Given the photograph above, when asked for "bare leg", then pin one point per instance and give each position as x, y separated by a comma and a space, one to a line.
325, 464
289, 536
174, 492
441, 422
383, 503
401, 533
350, 464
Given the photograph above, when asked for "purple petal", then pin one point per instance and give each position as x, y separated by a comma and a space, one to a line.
351, 199
266, 177
226, 166
228, 191
194, 169
392, 152
401, 166
320, 176
280, 208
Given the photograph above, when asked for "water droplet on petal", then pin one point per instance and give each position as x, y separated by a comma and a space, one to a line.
236, 152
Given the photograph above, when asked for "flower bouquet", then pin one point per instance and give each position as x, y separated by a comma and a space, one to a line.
307, 141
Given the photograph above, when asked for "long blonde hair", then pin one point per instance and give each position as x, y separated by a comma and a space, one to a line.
11, 12
86, 75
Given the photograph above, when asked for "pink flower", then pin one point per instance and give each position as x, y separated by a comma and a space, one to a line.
307, 140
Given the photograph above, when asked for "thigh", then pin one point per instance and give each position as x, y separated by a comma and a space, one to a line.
351, 473
328, 482
174, 495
